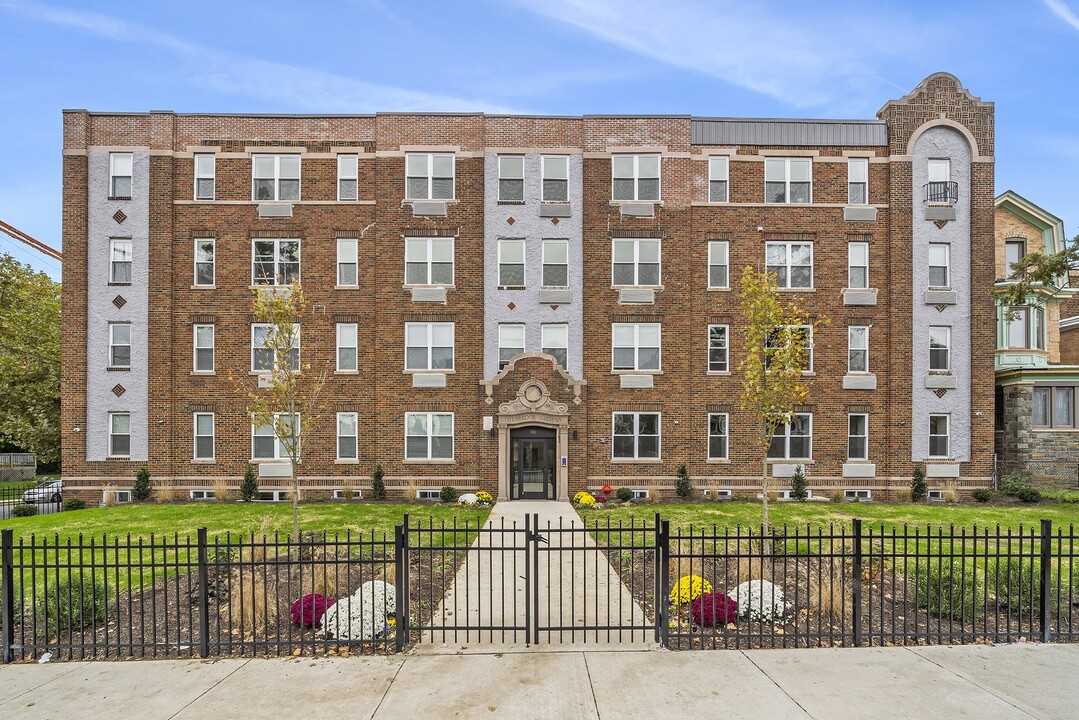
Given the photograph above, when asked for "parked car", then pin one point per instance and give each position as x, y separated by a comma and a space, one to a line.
45, 492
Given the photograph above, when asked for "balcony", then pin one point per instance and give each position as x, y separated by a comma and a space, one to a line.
943, 192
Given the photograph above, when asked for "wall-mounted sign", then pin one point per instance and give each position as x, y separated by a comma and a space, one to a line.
488, 422
565, 461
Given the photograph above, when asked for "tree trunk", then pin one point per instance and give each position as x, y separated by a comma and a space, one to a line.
764, 491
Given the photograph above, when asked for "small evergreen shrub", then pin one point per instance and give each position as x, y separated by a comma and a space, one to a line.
75, 603
682, 488
982, 494
799, 485
918, 486
249, 488
74, 504
1028, 494
24, 510
948, 589
624, 494
378, 485
1012, 483
448, 493
141, 489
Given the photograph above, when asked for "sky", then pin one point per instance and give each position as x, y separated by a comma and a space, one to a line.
750, 58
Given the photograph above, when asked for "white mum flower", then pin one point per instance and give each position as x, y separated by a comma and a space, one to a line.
759, 600
361, 615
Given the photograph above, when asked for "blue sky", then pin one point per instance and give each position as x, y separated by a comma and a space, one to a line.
704, 57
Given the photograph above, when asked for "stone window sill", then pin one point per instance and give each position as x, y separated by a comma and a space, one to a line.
204, 287
636, 461
119, 369
719, 373
203, 461
340, 461
203, 373
429, 462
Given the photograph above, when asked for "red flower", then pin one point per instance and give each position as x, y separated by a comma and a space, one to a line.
607, 489
714, 610
310, 609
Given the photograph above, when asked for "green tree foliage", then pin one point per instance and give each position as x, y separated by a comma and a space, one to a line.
29, 360
918, 486
1037, 275
249, 489
799, 485
141, 489
378, 485
682, 487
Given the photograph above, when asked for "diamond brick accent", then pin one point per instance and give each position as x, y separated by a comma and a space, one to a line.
119, 217
940, 224
941, 308
119, 301
510, 220
512, 306
118, 390
940, 392
554, 307
554, 221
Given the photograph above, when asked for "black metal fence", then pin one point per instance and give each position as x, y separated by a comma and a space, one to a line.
44, 501
510, 583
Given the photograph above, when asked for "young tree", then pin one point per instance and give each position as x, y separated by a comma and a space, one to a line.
1037, 274
776, 341
284, 395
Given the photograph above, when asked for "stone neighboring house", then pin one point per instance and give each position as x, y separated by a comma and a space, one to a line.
1037, 355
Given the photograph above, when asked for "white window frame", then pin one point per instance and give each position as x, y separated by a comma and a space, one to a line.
430, 156
547, 243
429, 262
113, 416
280, 452
856, 263
725, 347
503, 176
787, 264
787, 163
503, 330
946, 435
946, 347
864, 437
212, 262
863, 163
429, 455
196, 435
854, 346
277, 261
726, 435
637, 436
430, 327
544, 178
196, 347
719, 171
201, 175
714, 247
636, 177
277, 177
347, 174
273, 363
548, 343
637, 262
114, 245
787, 435
947, 248
114, 345
355, 437
346, 258
355, 347
503, 245
636, 368
113, 176
938, 163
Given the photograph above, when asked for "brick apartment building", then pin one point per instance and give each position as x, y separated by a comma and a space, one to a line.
530, 305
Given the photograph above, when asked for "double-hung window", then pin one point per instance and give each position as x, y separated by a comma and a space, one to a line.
635, 346
429, 176
939, 436
275, 177
717, 436
120, 165
718, 175
1026, 327
940, 343
275, 262
858, 181
939, 265
429, 261
511, 263
782, 336
555, 171
555, 263
119, 434
858, 436
793, 440
205, 176
791, 262
347, 348
347, 436
858, 265
1014, 252
718, 264
635, 262
348, 177
511, 342
429, 346
204, 348
788, 180
120, 260
428, 436
718, 338
264, 347
858, 349
119, 345
635, 436
938, 191
347, 262
635, 177
555, 341
265, 443
204, 436
511, 178
205, 270
1054, 407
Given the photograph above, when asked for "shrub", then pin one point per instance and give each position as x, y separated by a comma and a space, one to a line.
74, 503
165, 493
682, 488
221, 490
448, 493
584, 499
710, 610
837, 496
1012, 483
1028, 494
309, 609
949, 492
902, 495
484, 498
141, 489
624, 494
982, 494
799, 486
918, 487
948, 589
24, 510
73, 604
348, 488
378, 485
688, 589
249, 488
108, 496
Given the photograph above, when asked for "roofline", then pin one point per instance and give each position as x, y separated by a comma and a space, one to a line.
788, 120
628, 116
1050, 225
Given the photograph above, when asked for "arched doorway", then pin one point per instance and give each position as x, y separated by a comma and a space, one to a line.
533, 435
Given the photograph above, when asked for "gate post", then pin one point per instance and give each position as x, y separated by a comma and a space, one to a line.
663, 609
400, 561
204, 596
534, 539
856, 596
7, 577
1046, 578
657, 551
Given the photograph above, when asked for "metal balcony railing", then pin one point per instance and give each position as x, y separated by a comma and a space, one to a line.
943, 192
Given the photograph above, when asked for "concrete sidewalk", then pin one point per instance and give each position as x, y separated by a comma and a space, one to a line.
976, 681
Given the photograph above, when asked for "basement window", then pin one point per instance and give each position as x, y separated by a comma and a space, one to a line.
429, 494
858, 495
357, 494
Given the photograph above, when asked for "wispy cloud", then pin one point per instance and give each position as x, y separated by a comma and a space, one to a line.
804, 60
291, 86
1063, 12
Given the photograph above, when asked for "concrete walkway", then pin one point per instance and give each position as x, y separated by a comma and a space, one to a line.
976, 681
577, 587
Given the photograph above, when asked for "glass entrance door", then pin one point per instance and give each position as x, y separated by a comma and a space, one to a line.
532, 463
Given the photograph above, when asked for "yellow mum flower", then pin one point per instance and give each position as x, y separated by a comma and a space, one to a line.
688, 589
